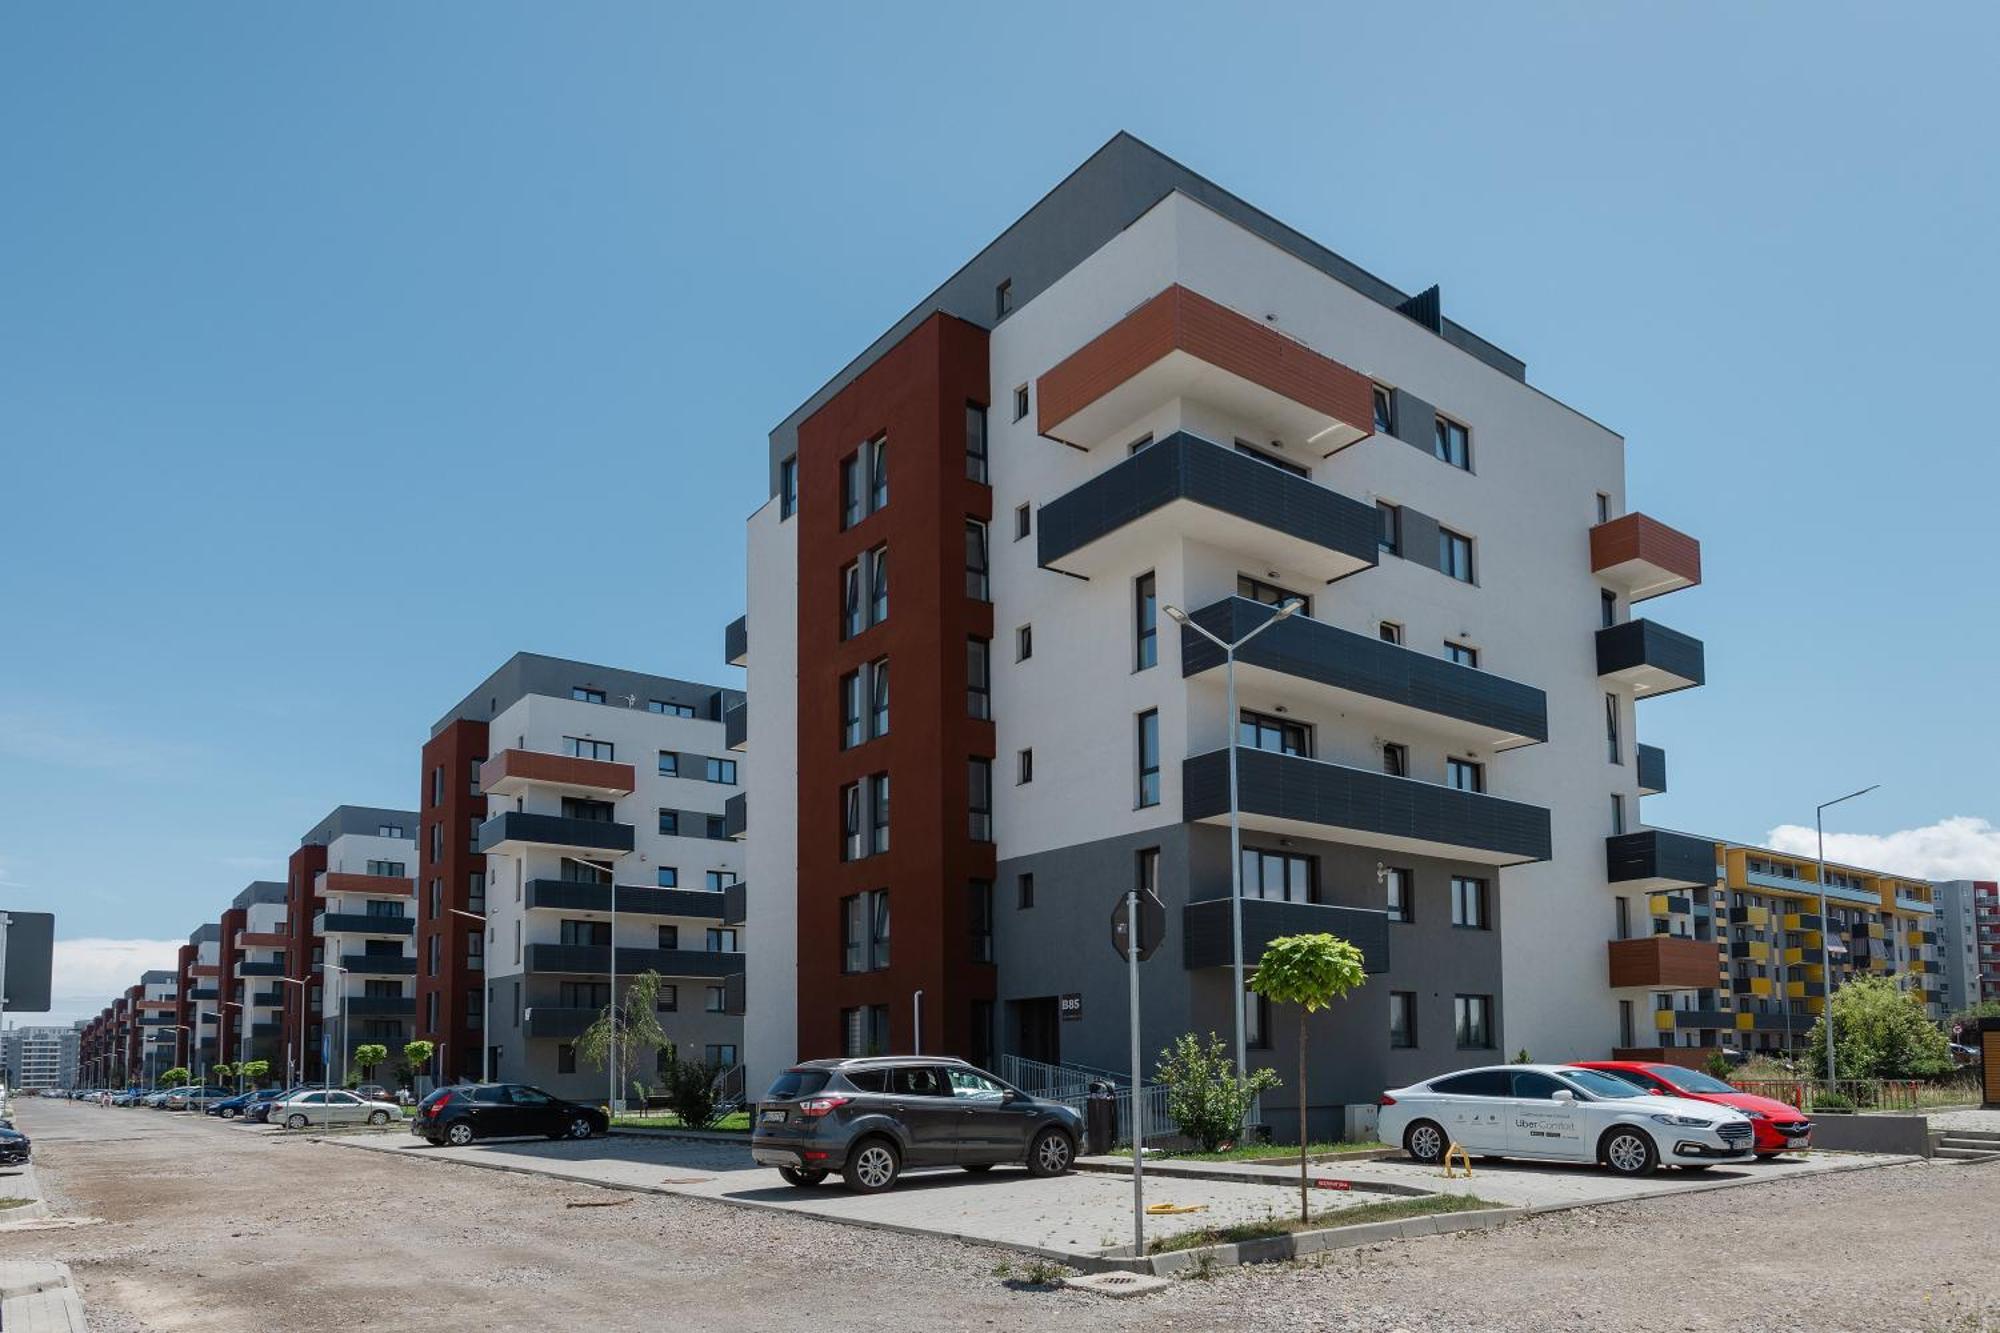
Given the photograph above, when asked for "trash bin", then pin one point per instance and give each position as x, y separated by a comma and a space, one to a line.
1100, 1120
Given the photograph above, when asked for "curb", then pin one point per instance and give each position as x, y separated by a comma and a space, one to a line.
1169, 1171
683, 1135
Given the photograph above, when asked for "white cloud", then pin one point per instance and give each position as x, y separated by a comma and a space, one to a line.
1960, 847
89, 973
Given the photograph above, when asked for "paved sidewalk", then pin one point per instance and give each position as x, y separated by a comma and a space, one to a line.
1979, 1122
38, 1298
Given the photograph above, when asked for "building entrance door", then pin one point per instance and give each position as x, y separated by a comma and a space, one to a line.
1038, 1029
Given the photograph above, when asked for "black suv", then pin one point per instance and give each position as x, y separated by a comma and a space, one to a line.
870, 1118
458, 1115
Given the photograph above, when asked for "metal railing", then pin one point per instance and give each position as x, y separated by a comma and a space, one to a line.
1869, 1094
1038, 1078
729, 1086
1152, 1101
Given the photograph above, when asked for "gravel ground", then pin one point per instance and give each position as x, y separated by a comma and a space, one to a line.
205, 1227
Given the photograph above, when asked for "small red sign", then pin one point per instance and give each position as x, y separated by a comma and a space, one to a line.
1332, 1184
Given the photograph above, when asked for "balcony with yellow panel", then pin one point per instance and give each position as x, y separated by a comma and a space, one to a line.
1802, 921
1755, 950
1759, 917
1663, 1019
1758, 986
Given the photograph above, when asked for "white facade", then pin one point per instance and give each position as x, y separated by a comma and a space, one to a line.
259, 918
361, 920
41, 1057
771, 1019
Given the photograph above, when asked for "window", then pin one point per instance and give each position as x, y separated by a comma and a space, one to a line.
1020, 401
667, 999
1146, 622
390, 869
670, 764
864, 481
975, 443
1402, 1019
720, 1055
473, 779
579, 872
1024, 522
1622, 922
1281, 464
1604, 516
865, 1031
1146, 870
1280, 876
722, 939
1617, 813
1270, 594
715, 827
715, 999
1465, 774
1396, 891
1024, 893
668, 937
1256, 1022
668, 709
1468, 903
979, 799
667, 877
437, 785
1395, 759
788, 487
585, 932
864, 931
1262, 732
878, 814
1626, 1033
591, 812
1149, 757
878, 697
1389, 530
1462, 653
978, 678
979, 917
670, 823
1388, 631
1455, 555
1611, 747
1607, 607
583, 994
584, 694
1474, 1014
1024, 767
878, 473
1003, 298
1454, 443
1143, 442
864, 592
977, 584
717, 880
576, 747
389, 830
437, 841
722, 771
1024, 643
1385, 411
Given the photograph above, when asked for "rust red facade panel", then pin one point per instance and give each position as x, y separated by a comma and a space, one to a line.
1667, 961
532, 766
444, 1014
1637, 537
917, 395
379, 886
229, 1026
302, 1001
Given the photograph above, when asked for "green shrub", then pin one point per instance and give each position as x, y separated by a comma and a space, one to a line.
1205, 1097
688, 1087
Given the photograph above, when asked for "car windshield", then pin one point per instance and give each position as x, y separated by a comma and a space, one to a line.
1691, 1080
1600, 1084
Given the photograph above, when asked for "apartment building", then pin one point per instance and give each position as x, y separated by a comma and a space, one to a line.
1969, 941
156, 1007
1729, 947
589, 777
349, 954
198, 996
40, 1056
1147, 400
254, 940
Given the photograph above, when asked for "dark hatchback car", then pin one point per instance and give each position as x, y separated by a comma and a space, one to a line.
457, 1115
14, 1147
871, 1118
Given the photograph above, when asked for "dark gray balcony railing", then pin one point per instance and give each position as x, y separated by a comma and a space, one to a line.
267, 1029
260, 969
1704, 1018
1187, 467
736, 725
1661, 858
201, 993
736, 815
270, 998
380, 1006
554, 831
547, 1020
378, 965
1206, 932
633, 899
365, 923
1366, 665
736, 641
1360, 800
1652, 769
1668, 658
595, 959
735, 903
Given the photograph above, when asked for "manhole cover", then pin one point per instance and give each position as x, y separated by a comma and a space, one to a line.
1117, 1284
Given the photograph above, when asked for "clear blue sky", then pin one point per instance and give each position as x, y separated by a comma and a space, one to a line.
345, 350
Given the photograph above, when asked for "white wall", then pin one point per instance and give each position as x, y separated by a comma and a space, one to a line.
770, 1020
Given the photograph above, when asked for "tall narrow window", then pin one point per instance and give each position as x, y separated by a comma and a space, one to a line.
1389, 533
979, 916
1020, 401
1024, 766
977, 586
1402, 1019
1395, 759
853, 490
975, 443
878, 698
1613, 750
850, 823
1455, 555
1146, 870
1396, 891
1603, 507
1465, 774
1621, 917
878, 585
1024, 643
853, 609
878, 814
1024, 892
978, 678
788, 487
1607, 607
1149, 757
1024, 522
851, 733
1454, 443
1385, 411
1003, 298
1146, 622
979, 799
1474, 1014
1468, 903
1617, 813
878, 473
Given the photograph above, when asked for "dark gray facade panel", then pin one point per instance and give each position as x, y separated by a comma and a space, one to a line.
364, 820
633, 899
1420, 538
1187, 467
364, 923
379, 965
736, 726
524, 674
1313, 650
1649, 643
1416, 421
267, 890
1210, 930
554, 831
595, 959
1652, 767
1338, 797
736, 815
736, 641
1659, 854
735, 903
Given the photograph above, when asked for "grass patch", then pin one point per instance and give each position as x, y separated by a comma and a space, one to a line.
1255, 1152
736, 1122
14, 1203
1392, 1210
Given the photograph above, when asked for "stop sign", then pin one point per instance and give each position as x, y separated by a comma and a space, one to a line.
1152, 924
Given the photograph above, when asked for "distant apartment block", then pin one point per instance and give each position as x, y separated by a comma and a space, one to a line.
1969, 939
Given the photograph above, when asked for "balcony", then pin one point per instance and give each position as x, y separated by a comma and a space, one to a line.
364, 923
272, 999
1659, 859
263, 939
1652, 769
735, 903
736, 726
516, 832
560, 1024
1669, 904
1187, 488
514, 772
633, 899
1643, 557
202, 993
595, 960
1702, 1018
1921, 906
1651, 658
736, 642
260, 969
267, 1030
1666, 962
1180, 344
379, 964
736, 816
371, 886
1309, 798
380, 1006
1365, 674
1206, 929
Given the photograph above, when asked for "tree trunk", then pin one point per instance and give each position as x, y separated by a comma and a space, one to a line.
1303, 1213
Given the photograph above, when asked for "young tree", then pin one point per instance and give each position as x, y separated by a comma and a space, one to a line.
416, 1059
220, 1074
173, 1078
368, 1055
631, 1026
1879, 1031
1205, 1096
1311, 971
255, 1071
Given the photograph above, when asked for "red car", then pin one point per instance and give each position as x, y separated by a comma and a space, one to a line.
1777, 1126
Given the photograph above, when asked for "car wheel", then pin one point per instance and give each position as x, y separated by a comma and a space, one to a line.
295, 1122
872, 1167
1424, 1141
1629, 1152
378, 1117
801, 1177
580, 1128
459, 1134
976, 1167
1050, 1154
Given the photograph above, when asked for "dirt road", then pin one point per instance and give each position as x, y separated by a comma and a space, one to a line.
220, 1228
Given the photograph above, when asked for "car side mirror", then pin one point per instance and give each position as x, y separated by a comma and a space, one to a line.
1564, 1096
1011, 1096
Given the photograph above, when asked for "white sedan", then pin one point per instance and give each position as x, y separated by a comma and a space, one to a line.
1560, 1113
335, 1107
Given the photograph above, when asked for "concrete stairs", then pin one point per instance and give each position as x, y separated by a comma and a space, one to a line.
1965, 1145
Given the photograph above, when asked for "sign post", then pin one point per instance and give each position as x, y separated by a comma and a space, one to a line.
1137, 927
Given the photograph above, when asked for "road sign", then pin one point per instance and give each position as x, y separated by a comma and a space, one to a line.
1152, 924
27, 945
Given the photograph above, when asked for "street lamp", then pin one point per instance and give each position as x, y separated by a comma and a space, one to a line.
1819, 829
1289, 607
242, 1039
485, 1002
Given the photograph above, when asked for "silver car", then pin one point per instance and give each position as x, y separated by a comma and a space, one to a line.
335, 1107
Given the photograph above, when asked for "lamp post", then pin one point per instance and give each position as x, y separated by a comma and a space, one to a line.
1232, 726
182, 1027
485, 1002
1826, 952
242, 1038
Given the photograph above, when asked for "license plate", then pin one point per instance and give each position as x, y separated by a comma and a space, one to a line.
773, 1117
